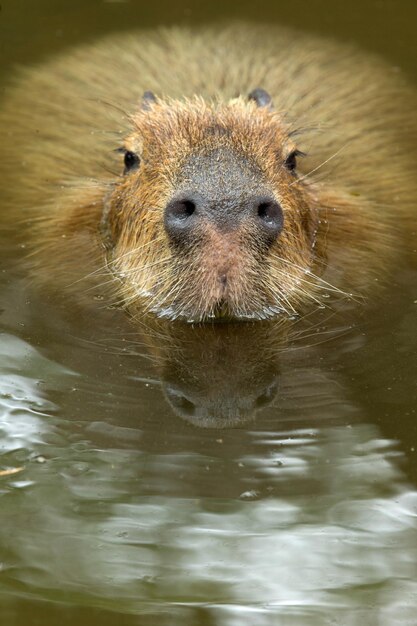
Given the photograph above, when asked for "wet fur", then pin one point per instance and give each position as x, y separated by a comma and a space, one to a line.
347, 213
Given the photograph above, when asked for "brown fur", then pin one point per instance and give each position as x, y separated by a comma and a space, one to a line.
344, 213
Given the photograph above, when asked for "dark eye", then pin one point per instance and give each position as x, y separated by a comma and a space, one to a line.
291, 161
131, 161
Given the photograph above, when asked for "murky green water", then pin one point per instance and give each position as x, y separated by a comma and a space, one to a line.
209, 475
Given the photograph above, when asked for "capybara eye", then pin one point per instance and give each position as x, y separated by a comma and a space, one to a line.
291, 160
131, 161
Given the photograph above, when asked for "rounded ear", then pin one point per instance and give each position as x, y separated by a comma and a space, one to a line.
260, 97
148, 99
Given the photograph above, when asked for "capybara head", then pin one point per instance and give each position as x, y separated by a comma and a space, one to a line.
210, 218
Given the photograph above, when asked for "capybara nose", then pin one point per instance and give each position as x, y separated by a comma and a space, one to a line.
190, 210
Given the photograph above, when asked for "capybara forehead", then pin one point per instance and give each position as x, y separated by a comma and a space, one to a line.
177, 129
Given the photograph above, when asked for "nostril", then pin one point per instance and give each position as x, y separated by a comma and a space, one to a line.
181, 209
270, 214
269, 211
180, 216
189, 207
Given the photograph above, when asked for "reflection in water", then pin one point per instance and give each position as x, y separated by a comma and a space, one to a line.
298, 514
222, 375
213, 376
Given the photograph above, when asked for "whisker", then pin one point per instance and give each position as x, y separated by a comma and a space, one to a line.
107, 265
129, 252
325, 285
142, 268
304, 176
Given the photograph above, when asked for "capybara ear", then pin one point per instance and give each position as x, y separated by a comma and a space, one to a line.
261, 97
148, 99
